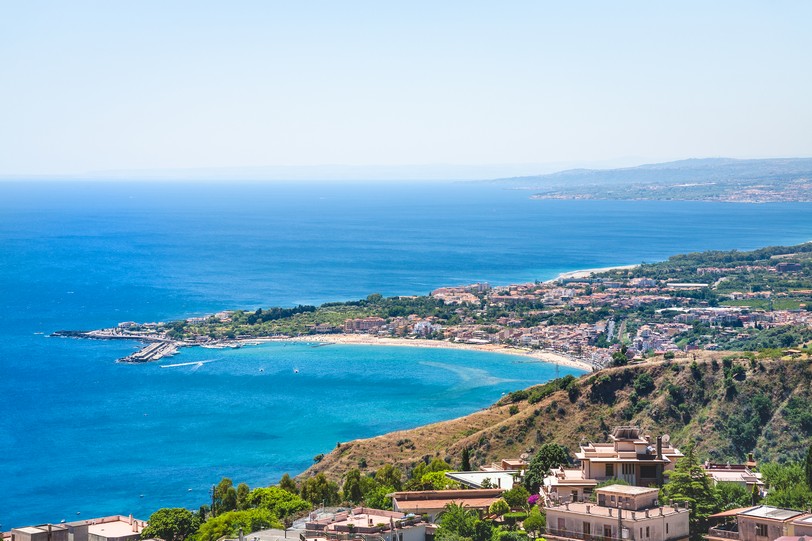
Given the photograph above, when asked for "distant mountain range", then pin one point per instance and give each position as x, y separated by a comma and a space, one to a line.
713, 179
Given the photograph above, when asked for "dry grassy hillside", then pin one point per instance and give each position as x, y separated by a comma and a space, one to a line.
729, 405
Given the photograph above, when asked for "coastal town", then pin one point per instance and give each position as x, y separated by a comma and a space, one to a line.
633, 487
587, 317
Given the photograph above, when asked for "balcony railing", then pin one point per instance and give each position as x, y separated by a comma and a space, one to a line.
581, 536
723, 533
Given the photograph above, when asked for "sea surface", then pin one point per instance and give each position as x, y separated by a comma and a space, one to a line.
82, 436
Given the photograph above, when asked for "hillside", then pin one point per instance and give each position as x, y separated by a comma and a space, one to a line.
717, 179
728, 405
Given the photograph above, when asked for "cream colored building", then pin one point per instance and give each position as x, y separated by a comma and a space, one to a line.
759, 523
623, 513
630, 455
567, 485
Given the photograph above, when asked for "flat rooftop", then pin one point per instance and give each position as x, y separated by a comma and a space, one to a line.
578, 508
765, 511
626, 489
117, 528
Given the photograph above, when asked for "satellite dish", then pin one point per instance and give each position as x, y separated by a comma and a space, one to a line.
523, 456
666, 438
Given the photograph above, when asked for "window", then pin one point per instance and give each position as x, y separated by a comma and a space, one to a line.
587, 528
666, 527
628, 469
648, 534
610, 470
761, 530
648, 472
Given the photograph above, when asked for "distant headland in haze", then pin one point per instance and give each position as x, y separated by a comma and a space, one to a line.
712, 179
707, 179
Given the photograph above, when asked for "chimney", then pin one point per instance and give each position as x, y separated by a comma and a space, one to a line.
646, 513
659, 447
588, 507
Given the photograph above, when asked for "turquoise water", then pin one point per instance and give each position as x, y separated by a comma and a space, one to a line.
80, 433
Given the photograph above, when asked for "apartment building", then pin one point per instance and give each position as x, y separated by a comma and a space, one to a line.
622, 512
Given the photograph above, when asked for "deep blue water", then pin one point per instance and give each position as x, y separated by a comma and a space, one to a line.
80, 433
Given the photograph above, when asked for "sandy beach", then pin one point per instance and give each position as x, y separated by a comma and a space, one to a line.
367, 340
585, 273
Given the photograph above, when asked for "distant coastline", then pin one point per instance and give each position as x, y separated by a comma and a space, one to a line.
158, 348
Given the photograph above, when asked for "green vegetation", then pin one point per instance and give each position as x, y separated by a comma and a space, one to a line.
171, 524
688, 483
549, 456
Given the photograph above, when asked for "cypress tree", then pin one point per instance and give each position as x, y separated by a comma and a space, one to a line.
808, 467
466, 460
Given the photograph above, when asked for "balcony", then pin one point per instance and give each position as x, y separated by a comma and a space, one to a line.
569, 535
727, 531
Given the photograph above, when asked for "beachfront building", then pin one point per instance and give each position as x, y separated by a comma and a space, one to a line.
112, 528
622, 512
367, 524
629, 455
433, 502
759, 523
43, 532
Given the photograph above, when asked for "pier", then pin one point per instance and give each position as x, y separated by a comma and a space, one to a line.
158, 346
151, 352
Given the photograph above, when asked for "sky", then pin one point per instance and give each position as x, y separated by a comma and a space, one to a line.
186, 85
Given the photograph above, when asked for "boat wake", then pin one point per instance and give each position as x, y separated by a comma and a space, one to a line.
197, 364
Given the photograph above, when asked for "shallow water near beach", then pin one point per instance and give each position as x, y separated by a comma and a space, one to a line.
82, 434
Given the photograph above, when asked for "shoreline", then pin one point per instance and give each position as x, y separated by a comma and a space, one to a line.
585, 273
368, 340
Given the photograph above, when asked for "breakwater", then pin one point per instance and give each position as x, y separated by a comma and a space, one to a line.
157, 347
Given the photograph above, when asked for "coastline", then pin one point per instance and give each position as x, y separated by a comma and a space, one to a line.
585, 273
368, 340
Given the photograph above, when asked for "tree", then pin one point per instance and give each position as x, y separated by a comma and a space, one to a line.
689, 483
242, 494
499, 507
732, 496
516, 497
390, 476
171, 524
535, 523
286, 483
550, 455
456, 521
377, 496
352, 486
437, 480
808, 467
318, 490
224, 497
466, 460
278, 501
229, 523
787, 483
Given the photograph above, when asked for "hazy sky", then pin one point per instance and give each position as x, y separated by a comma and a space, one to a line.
152, 85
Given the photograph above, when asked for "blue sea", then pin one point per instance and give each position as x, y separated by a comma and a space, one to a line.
82, 436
